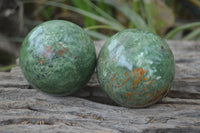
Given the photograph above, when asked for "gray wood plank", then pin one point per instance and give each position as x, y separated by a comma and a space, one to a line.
24, 109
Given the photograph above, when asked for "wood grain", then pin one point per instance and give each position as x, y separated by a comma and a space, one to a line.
24, 109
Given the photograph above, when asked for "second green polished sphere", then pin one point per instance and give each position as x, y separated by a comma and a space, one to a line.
135, 68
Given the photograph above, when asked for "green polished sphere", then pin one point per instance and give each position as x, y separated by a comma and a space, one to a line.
135, 68
57, 57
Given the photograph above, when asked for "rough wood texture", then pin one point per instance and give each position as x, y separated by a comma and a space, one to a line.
23, 109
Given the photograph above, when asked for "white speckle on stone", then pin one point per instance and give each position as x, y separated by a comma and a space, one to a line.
149, 61
151, 72
113, 45
159, 77
104, 73
123, 62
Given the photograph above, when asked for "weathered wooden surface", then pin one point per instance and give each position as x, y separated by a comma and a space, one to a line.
23, 109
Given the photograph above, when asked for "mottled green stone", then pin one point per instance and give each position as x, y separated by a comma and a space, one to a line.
57, 57
135, 68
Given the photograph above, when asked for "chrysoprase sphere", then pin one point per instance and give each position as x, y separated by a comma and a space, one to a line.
135, 68
57, 57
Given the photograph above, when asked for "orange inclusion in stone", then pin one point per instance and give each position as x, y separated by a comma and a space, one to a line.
40, 61
150, 82
124, 82
61, 52
159, 94
126, 73
129, 95
139, 72
109, 84
145, 79
144, 89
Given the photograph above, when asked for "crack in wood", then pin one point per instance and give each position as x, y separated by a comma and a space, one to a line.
32, 121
